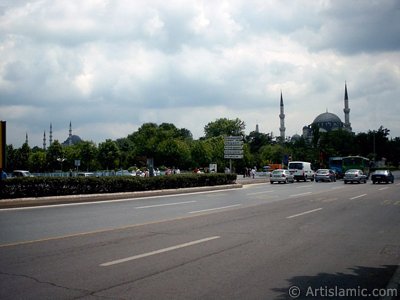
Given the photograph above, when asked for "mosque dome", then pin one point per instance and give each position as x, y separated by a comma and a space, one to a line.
328, 121
295, 138
327, 117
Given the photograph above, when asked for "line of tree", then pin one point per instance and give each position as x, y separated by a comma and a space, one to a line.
170, 146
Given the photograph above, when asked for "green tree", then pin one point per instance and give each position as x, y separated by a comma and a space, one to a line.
224, 126
174, 152
55, 155
22, 157
37, 161
201, 153
109, 155
88, 154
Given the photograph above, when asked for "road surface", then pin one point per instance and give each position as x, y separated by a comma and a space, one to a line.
302, 240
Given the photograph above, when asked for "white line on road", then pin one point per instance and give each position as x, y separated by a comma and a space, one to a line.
119, 261
258, 193
303, 186
337, 188
304, 213
384, 188
359, 196
302, 194
166, 204
211, 209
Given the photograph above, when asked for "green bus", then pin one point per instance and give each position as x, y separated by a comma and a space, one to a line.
356, 162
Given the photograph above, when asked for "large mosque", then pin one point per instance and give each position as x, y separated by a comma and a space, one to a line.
326, 121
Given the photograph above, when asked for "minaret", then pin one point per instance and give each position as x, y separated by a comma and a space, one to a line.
70, 134
26, 138
51, 134
282, 117
257, 129
44, 140
346, 110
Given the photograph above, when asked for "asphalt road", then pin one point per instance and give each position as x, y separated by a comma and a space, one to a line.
259, 242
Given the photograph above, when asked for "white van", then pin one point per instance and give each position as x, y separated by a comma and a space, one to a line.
301, 170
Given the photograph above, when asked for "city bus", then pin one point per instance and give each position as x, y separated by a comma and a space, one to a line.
336, 164
356, 162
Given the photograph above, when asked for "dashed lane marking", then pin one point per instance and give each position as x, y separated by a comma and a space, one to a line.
123, 260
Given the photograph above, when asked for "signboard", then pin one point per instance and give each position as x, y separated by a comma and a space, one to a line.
233, 147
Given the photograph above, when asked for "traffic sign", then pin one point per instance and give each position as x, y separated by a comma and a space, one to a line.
235, 156
235, 152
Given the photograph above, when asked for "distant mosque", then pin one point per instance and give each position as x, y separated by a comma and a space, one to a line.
71, 139
326, 122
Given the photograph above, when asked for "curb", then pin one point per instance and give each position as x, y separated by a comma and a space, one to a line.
53, 200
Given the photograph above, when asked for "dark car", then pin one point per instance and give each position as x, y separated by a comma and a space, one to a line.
382, 176
325, 175
354, 175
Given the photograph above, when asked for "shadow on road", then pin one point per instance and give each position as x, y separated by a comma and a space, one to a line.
357, 284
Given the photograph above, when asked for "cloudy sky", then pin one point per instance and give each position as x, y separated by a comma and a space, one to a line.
109, 66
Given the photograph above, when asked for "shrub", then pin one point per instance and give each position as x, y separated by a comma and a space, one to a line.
58, 186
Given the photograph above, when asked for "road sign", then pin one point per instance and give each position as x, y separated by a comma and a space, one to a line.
233, 156
233, 138
235, 152
233, 147
233, 143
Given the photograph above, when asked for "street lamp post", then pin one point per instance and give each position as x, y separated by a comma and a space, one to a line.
61, 160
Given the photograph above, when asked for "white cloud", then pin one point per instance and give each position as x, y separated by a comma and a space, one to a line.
109, 66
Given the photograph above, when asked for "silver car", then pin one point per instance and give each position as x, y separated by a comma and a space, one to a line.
281, 175
325, 175
354, 175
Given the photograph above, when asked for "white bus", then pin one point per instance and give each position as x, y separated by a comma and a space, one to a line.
301, 170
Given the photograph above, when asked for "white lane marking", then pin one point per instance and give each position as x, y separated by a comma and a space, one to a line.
111, 201
337, 188
258, 193
304, 213
166, 204
359, 196
123, 260
303, 186
384, 188
211, 209
302, 194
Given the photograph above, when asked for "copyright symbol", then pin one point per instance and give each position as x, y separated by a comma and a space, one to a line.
294, 292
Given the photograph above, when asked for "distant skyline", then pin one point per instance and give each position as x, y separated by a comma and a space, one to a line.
110, 66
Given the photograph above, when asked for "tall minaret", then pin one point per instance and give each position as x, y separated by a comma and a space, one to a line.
346, 110
70, 134
44, 140
282, 117
26, 138
51, 135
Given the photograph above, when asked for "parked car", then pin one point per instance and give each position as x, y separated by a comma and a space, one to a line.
86, 174
281, 175
354, 175
21, 173
124, 173
382, 176
325, 175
